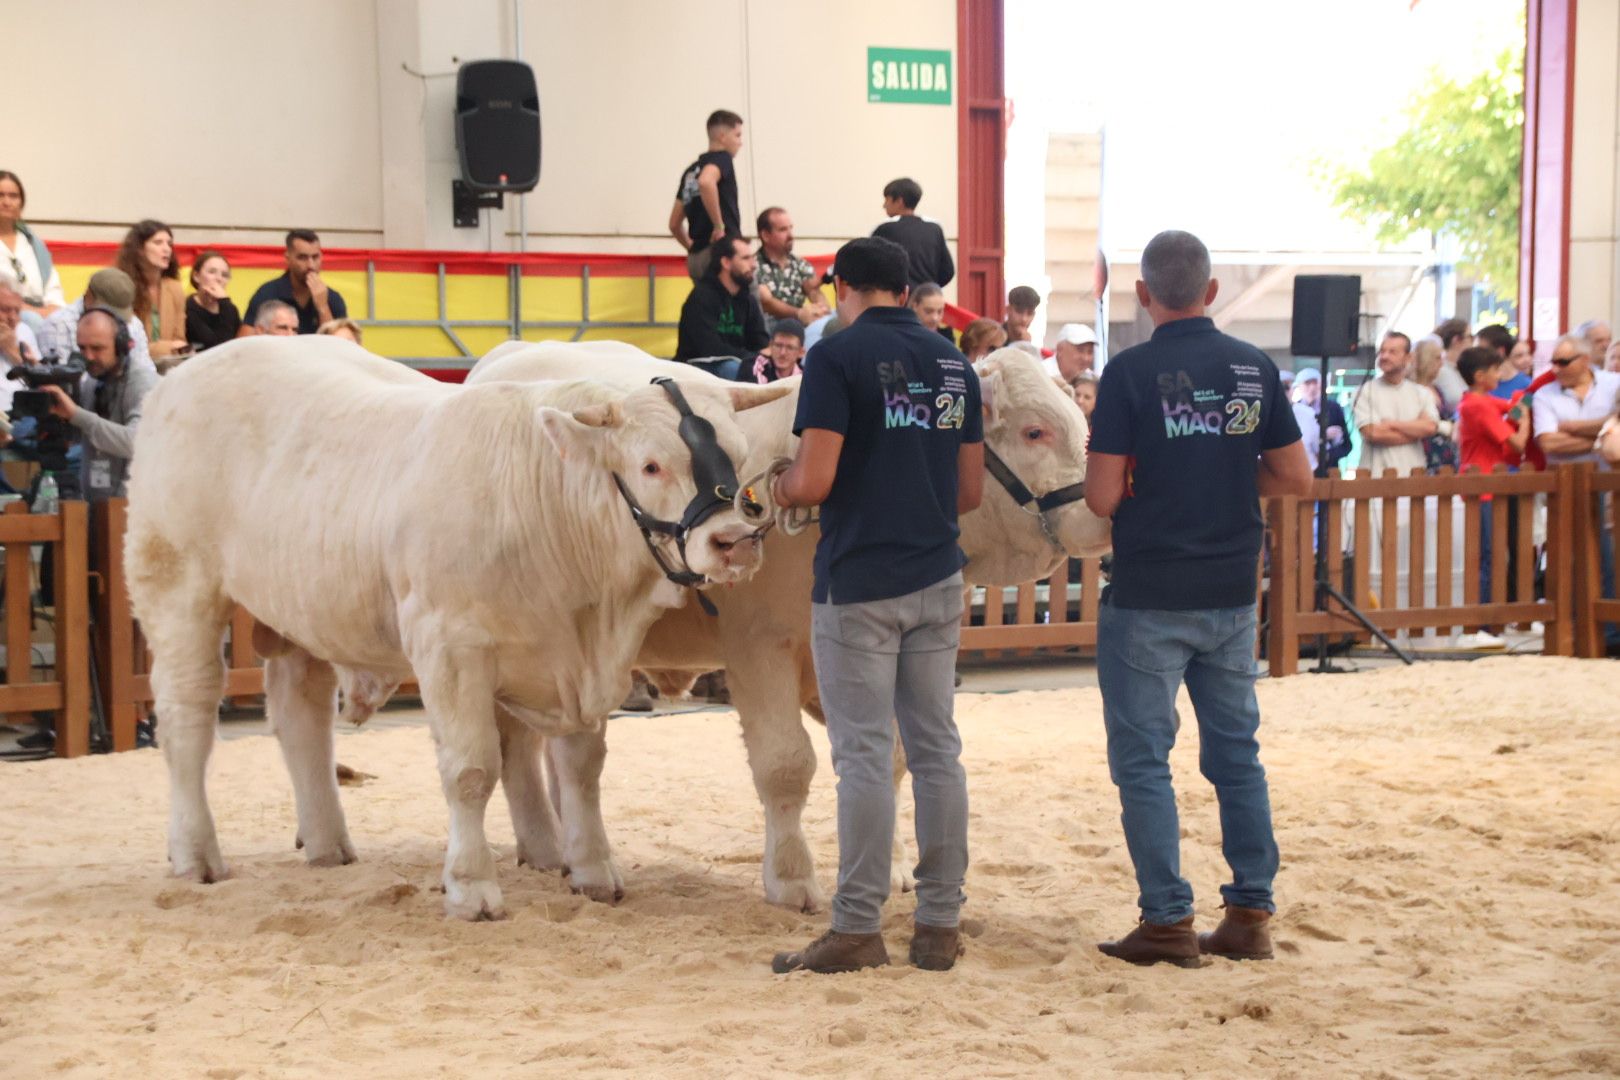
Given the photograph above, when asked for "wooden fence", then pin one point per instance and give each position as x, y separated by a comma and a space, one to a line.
67, 694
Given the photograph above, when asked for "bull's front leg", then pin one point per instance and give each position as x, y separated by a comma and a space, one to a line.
458, 688
534, 817
766, 691
576, 762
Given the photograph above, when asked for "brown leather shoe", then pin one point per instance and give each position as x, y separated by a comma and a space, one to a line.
1242, 935
834, 952
934, 948
1151, 943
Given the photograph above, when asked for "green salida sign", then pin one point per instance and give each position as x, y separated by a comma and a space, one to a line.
908, 76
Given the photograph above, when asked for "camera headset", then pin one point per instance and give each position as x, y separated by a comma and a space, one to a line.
123, 344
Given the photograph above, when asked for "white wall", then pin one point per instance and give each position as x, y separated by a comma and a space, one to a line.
1594, 201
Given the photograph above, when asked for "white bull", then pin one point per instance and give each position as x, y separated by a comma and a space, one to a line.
383, 524
762, 634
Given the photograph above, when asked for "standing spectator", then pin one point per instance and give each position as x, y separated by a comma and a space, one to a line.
928, 301
928, 255
109, 288
1511, 377
211, 317
1325, 413
109, 406
27, 261
720, 317
981, 337
706, 198
1021, 304
347, 329
887, 598
277, 318
788, 285
18, 345
1428, 362
1394, 414
781, 359
147, 256
1601, 336
1185, 501
1075, 353
1085, 393
1454, 337
1490, 432
301, 286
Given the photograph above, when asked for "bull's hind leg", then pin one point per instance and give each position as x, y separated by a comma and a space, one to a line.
766, 692
900, 879
458, 688
534, 816
301, 701
576, 762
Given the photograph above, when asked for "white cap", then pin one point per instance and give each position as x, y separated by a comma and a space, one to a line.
1077, 334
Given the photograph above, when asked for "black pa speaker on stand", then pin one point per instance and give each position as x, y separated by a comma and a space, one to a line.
497, 134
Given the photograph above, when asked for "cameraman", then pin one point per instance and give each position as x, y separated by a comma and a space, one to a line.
109, 406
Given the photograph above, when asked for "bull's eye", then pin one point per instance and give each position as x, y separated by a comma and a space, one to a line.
1033, 434
650, 469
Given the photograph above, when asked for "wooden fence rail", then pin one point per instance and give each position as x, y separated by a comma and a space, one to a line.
67, 695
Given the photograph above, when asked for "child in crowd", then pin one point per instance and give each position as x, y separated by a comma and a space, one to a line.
1490, 432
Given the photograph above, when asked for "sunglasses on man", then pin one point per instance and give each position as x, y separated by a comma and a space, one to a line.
1564, 361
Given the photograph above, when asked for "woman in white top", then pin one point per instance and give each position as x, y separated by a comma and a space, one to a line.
25, 261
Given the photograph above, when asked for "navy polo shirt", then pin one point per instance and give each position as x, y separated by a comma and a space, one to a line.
1192, 408
309, 320
905, 400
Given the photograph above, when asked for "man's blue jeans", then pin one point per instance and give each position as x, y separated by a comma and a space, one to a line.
1142, 659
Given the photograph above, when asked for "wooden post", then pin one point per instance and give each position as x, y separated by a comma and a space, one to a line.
19, 611
73, 631
115, 625
1586, 581
1559, 639
1389, 562
1283, 648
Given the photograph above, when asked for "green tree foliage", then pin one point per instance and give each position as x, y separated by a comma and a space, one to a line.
1455, 170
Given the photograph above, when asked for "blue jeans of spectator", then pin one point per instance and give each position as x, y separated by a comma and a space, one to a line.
726, 369
1143, 657
878, 663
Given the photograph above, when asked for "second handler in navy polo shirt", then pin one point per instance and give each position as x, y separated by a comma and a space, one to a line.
892, 451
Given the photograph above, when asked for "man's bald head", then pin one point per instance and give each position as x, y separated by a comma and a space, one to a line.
98, 341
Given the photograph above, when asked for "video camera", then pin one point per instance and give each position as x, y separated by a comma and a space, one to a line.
34, 401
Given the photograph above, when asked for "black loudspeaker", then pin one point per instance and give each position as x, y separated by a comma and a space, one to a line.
498, 125
1327, 311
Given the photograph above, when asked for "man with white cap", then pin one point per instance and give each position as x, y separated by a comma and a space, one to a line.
1076, 353
1325, 413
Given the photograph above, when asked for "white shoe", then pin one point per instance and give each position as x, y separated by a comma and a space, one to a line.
1482, 640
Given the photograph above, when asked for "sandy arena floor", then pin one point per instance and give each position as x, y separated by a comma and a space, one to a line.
1450, 907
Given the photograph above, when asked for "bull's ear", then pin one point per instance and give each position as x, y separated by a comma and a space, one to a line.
578, 433
746, 397
989, 389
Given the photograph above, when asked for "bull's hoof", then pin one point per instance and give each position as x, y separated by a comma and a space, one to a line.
474, 901
205, 867
339, 854
599, 881
900, 881
545, 858
796, 894
602, 894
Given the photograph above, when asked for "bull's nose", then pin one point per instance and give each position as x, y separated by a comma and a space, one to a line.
736, 550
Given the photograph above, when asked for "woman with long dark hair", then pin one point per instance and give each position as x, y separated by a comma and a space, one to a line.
211, 317
147, 256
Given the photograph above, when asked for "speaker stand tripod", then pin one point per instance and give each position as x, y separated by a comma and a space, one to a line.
1325, 589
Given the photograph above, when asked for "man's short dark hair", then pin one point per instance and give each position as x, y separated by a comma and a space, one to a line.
1406, 341
926, 291
723, 248
1450, 331
1497, 337
1476, 359
1023, 298
906, 190
873, 264
792, 328
721, 119
762, 224
1175, 268
308, 236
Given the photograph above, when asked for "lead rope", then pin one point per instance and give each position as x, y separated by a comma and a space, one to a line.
792, 520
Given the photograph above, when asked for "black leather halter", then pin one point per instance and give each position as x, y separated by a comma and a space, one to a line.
716, 480
1025, 498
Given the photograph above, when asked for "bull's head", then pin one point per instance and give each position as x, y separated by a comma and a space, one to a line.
1039, 434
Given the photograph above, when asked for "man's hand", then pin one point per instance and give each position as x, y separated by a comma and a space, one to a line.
317, 288
1334, 433
717, 233
61, 405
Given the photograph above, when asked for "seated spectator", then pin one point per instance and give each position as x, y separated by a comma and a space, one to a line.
302, 287
720, 317
1393, 413
17, 342
147, 256
1601, 336
109, 406
789, 287
26, 265
1085, 392
110, 288
928, 301
706, 198
1022, 301
1074, 354
277, 318
781, 359
924, 241
343, 328
1325, 412
981, 337
211, 317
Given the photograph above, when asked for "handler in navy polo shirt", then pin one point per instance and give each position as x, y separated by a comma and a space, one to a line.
1191, 428
892, 450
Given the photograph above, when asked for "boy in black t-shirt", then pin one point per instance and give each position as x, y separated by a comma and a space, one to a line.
706, 199
892, 450
1191, 428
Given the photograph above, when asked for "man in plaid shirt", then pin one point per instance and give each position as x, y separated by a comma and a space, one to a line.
787, 283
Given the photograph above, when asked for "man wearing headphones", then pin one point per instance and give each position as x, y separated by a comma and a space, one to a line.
109, 405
